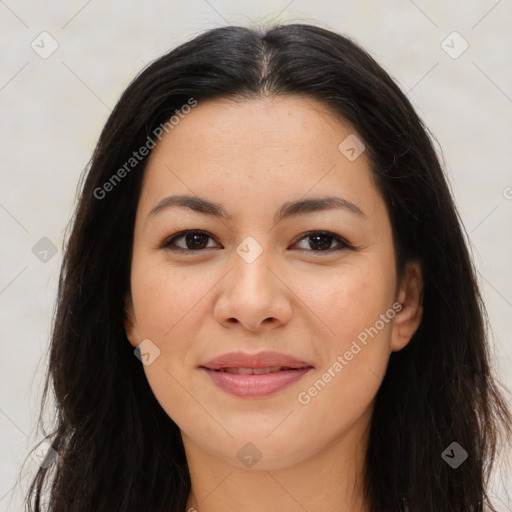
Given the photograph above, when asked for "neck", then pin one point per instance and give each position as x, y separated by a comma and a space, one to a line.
330, 480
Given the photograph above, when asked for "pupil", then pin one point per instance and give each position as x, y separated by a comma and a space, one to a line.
196, 240
321, 237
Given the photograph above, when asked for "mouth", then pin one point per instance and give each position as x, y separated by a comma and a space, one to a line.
255, 375
257, 371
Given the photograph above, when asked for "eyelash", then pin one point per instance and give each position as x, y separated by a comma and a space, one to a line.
167, 244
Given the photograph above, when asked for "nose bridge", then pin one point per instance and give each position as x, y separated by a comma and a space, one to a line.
251, 269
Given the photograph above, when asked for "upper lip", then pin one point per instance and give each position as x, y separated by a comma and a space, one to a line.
259, 360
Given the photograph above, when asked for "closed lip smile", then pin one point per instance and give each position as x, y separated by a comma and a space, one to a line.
255, 375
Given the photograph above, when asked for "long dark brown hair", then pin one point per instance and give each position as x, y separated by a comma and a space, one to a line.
117, 448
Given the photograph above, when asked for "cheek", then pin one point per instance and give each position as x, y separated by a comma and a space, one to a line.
168, 309
166, 299
358, 311
354, 299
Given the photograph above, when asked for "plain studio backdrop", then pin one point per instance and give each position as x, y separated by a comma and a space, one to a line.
64, 66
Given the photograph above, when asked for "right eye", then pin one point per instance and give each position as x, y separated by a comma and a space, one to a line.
194, 241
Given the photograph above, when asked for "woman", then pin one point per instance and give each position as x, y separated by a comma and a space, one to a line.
267, 301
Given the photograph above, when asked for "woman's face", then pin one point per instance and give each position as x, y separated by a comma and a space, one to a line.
289, 251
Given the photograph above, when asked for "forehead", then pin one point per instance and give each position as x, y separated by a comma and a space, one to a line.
260, 134
275, 148
297, 123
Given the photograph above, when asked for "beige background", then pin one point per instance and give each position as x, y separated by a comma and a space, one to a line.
53, 109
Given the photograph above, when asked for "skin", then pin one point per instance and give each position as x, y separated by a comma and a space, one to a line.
252, 156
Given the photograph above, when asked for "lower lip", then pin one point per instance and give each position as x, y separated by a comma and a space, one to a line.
255, 385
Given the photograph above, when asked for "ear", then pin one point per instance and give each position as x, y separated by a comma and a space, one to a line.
410, 296
130, 324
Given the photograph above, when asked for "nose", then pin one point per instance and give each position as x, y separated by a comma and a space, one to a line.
254, 296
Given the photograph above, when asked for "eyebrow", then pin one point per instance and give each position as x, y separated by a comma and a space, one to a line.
287, 210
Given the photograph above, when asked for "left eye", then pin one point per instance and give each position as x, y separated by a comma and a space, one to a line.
319, 241
323, 239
